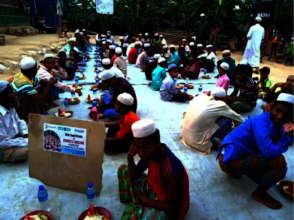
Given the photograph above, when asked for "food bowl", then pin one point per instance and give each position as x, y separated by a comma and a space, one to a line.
39, 211
101, 211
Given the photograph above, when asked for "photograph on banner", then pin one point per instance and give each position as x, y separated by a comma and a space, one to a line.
65, 139
104, 7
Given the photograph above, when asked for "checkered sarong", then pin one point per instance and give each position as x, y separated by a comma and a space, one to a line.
263, 171
131, 190
225, 127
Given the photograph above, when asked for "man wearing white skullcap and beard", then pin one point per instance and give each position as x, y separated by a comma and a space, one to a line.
201, 30
142, 40
120, 62
24, 85
151, 66
143, 60
167, 180
119, 135
207, 118
252, 51
256, 149
13, 131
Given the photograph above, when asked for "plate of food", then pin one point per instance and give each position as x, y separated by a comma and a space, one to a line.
79, 86
93, 87
179, 86
190, 86
37, 215
64, 113
206, 77
74, 101
95, 213
90, 100
82, 77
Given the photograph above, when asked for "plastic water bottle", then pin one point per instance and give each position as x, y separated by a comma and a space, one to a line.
97, 80
175, 80
187, 80
90, 193
94, 93
205, 72
185, 88
94, 103
200, 88
46, 113
43, 198
73, 95
66, 104
77, 80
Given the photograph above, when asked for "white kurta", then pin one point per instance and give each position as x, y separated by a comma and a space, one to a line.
199, 123
252, 51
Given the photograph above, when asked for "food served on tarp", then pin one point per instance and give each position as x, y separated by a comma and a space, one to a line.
206, 77
82, 77
79, 87
93, 87
64, 113
90, 100
190, 86
93, 214
74, 101
40, 216
179, 86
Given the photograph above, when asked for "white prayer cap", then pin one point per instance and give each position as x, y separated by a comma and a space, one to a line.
284, 97
112, 47
202, 15
226, 51
3, 85
106, 61
225, 66
258, 19
156, 56
147, 45
191, 44
143, 128
125, 45
187, 49
161, 59
77, 31
146, 34
208, 46
108, 32
184, 40
103, 36
121, 38
140, 34
172, 46
218, 92
161, 35
27, 63
106, 75
156, 34
81, 33
199, 45
126, 99
109, 41
118, 50
48, 55
138, 43
72, 39
84, 30
76, 49
103, 42
165, 47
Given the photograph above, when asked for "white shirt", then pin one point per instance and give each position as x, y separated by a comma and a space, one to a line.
163, 41
117, 72
199, 123
10, 127
212, 57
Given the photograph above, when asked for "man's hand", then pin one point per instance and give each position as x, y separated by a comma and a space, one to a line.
144, 199
285, 86
279, 84
52, 81
79, 92
291, 134
132, 151
25, 136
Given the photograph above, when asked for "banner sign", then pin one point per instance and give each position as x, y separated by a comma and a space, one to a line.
104, 7
65, 139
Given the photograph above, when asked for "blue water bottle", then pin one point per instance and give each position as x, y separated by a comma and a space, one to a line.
175, 80
90, 194
97, 80
77, 80
66, 104
200, 88
185, 88
43, 198
46, 113
73, 95
94, 103
94, 93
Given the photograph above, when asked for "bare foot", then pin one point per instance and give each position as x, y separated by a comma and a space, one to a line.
266, 199
149, 83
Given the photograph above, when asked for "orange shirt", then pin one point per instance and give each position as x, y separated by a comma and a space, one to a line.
133, 54
125, 124
113, 58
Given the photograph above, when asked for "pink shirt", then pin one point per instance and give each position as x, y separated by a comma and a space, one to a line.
223, 81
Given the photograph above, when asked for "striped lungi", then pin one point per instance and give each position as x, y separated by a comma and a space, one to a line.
263, 171
131, 191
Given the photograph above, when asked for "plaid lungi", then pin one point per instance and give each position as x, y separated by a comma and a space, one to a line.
13, 154
132, 190
263, 171
225, 127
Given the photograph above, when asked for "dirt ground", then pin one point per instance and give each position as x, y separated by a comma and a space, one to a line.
36, 45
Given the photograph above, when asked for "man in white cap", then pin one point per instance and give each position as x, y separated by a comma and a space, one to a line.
107, 65
133, 54
14, 131
119, 135
201, 30
120, 62
175, 56
112, 55
166, 54
118, 86
252, 51
208, 120
201, 55
231, 62
223, 80
151, 66
256, 149
191, 48
159, 74
147, 39
143, 60
105, 49
108, 36
163, 41
156, 44
167, 180
71, 44
211, 63
142, 40
24, 86
87, 37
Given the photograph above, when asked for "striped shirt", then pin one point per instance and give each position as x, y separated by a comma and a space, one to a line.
248, 88
22, 84
169, 180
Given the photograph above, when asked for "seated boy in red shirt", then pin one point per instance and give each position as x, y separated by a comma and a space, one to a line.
133, 54
164, 192
191, 71
119, 135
